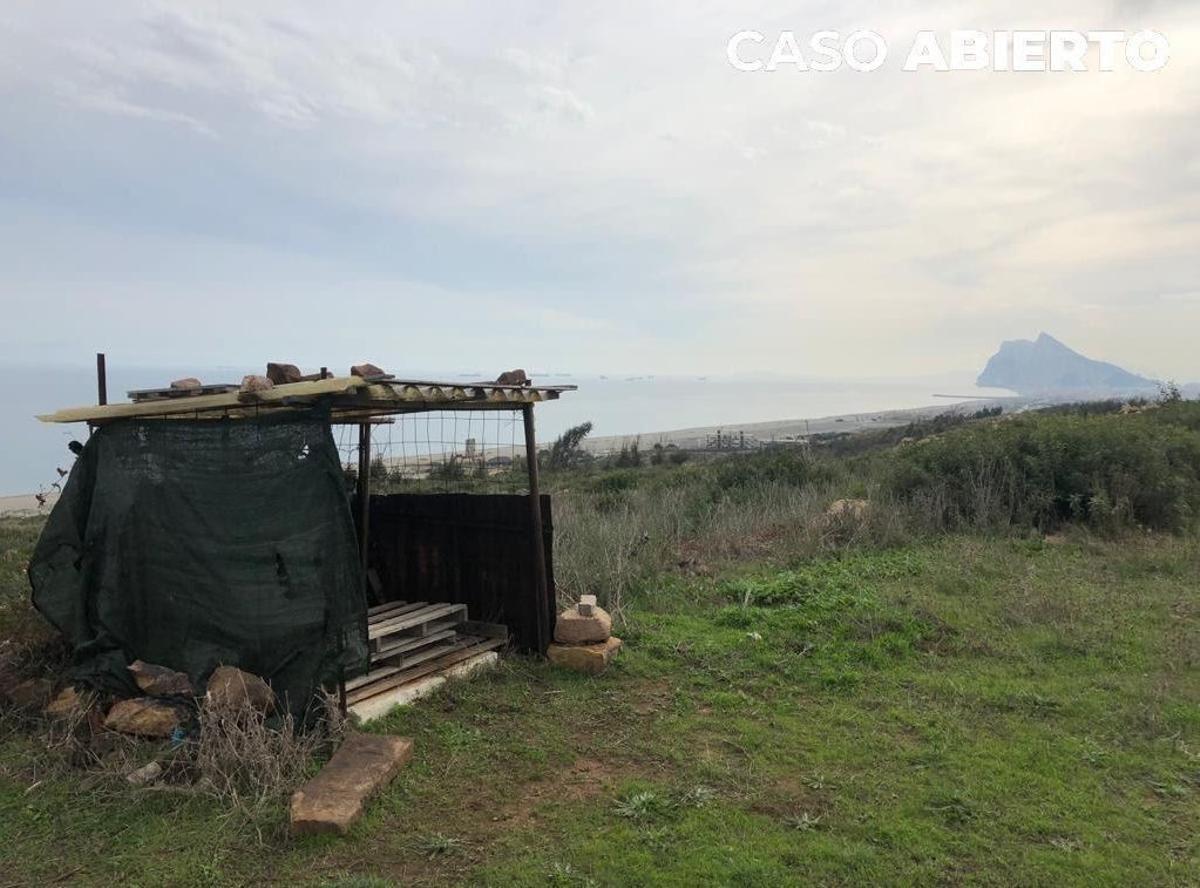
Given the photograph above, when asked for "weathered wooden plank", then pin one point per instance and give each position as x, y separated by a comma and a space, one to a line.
470, 649
227, 400
421, 654
158, 394
381, 612
408, 644
408, 621
364, 691
382, 703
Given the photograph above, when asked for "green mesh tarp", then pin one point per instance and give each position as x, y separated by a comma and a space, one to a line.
193, 544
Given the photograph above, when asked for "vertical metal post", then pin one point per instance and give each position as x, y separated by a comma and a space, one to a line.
101, 380
364, 494
546, 606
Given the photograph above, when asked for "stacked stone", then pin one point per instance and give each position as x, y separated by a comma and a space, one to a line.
583, 638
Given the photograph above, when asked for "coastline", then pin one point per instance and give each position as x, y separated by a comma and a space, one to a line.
786, 430
694, 438
25, 505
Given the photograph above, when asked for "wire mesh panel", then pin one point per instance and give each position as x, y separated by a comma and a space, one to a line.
450, 517
441, 451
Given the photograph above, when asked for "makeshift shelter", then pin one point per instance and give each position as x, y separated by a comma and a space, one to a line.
216, 526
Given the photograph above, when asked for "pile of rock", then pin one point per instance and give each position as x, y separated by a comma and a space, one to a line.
583, 638
167, 703
169, 707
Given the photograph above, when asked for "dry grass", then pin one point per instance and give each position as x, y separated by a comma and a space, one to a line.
251, 761
612, 545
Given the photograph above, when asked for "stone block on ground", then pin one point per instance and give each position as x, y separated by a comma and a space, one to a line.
70, 704
144, 716
145, 774
337, 796
231, 688
159, 681
588, 658
572, 627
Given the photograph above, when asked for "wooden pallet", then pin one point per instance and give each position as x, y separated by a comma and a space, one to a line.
411, 619
433, 660
402, 630
411, 640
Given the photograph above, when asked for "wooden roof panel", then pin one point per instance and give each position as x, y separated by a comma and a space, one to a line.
345, 395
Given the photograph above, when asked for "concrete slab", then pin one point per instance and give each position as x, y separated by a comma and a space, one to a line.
336, 797
381, 704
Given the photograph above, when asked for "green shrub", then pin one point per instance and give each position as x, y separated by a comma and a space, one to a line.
797, 468
1041, 470
615, 481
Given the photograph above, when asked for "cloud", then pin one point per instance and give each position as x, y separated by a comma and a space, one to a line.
606, 169
111, 103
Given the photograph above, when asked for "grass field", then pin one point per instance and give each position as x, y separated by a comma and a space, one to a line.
963, 710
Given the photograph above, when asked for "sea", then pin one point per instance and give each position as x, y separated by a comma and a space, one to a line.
626, 405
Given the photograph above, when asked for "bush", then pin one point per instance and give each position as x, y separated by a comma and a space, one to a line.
796, 468
1041, 470
250, 760
615, 481
630, 456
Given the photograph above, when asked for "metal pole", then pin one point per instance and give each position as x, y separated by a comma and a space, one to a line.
364, 496
101, 380
546, 607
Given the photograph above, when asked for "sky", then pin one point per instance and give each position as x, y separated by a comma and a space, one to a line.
586, 188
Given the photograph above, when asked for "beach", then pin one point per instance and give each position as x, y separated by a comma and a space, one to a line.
26, 504
753, 434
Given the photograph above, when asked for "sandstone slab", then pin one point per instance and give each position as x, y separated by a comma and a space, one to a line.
159, 681
333, 800
231, 688
572, 627
591, 659
70, 704
144, 716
